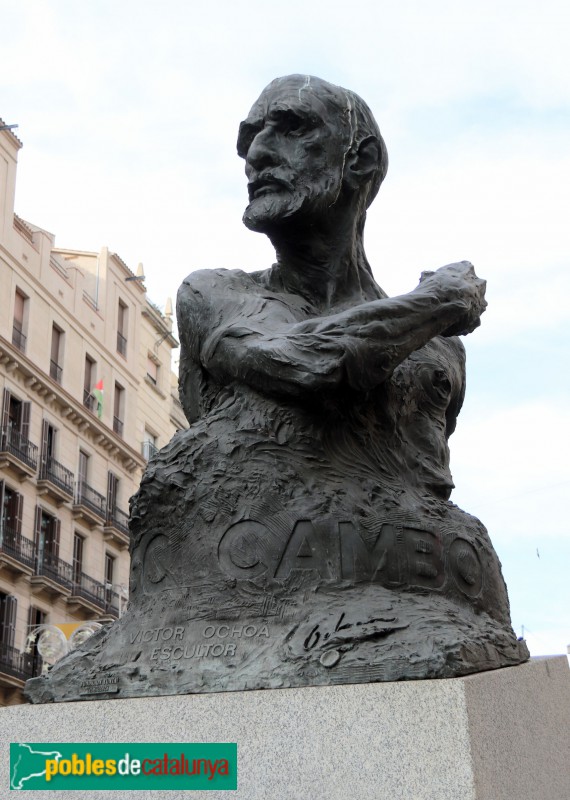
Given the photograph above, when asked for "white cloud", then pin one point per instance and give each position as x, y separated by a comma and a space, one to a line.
510, 466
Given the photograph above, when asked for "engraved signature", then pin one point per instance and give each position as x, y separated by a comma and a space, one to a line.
344, 632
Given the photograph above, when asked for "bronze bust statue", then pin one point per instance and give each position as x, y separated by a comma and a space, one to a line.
300, 532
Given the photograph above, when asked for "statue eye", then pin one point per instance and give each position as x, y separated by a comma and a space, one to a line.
293, 123
288, 122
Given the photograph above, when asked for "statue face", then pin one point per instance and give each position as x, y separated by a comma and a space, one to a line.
293, 142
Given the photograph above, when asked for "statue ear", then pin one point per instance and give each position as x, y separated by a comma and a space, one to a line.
361, 164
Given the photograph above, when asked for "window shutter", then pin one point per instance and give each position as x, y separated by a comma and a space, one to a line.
37, 527
8, 612
25, 429
83, 466
44, 450
5, 415
56, 537
19, 513
19, 302
55, 339
36, 616
112, 482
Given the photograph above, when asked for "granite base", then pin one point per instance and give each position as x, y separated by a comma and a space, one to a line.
500, 735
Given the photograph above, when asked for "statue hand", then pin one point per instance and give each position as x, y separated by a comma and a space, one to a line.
458, 284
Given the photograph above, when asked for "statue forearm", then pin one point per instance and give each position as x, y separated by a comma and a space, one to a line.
359, 347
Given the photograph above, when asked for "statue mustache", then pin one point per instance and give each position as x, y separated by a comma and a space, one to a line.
265, 179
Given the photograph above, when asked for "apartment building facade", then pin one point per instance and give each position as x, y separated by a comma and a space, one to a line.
87, 395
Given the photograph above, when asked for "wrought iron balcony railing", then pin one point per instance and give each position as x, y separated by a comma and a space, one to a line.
119, 519
51, 470
55, 371
86, 496
19, 339
121, 344
118, 426
17, 546
87, 587
12, 662
148, 449
50, 566
12, 441
112, 602
88, 400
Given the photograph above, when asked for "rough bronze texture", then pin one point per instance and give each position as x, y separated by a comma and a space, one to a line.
300, 531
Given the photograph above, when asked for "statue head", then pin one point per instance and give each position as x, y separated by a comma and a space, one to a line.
309, 147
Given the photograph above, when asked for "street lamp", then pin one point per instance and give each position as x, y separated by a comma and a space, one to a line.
52, 643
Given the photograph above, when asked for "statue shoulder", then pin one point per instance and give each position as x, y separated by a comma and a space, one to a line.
207, 282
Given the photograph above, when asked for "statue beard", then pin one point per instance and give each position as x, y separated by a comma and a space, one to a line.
271, 210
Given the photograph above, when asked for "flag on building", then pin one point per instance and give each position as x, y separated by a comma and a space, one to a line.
97, 393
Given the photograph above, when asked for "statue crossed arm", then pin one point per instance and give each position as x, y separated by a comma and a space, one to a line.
270, 347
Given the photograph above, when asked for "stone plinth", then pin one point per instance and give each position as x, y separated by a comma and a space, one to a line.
501, 735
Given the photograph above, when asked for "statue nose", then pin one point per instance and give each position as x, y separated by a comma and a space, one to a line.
263, 151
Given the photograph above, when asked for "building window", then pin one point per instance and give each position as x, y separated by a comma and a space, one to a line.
77, 557
8, 612
149, 445
50, 468
15, 430
49, 434
18, 326
11, 506
15, 414
152, 369
122, 322
88, 383
112, 493
55, 368
83, 466
47, 535
118, 408
109, 569
109, 576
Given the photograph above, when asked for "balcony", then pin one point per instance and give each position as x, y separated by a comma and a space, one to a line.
18, 339
55, 371
15, 667
17, 453
56, 481
53, 577
89, 504
16, 553
118, 426
121, 344
148, 449
117, 527
87, 595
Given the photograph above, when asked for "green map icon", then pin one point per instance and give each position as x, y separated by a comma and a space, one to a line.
28, 765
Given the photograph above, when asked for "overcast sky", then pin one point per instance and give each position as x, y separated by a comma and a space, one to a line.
128, 112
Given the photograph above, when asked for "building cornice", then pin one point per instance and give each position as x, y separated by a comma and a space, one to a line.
154, 316
7, 132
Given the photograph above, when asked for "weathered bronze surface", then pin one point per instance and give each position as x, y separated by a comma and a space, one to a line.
300, 531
